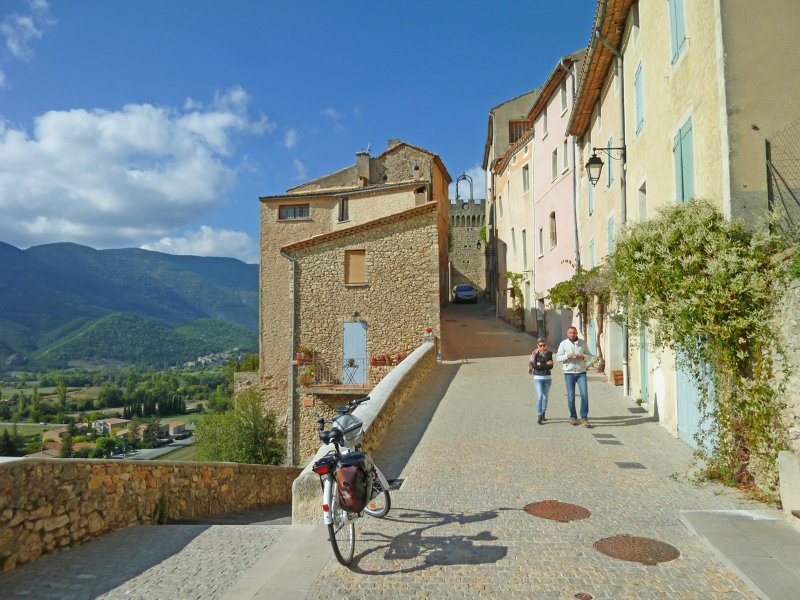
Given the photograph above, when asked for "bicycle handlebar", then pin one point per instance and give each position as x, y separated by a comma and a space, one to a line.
343, 410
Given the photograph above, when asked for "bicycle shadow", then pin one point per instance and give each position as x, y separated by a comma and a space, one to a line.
432, 550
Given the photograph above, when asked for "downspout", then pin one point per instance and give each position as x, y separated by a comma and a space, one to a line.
623, 198
571, 71
292, 260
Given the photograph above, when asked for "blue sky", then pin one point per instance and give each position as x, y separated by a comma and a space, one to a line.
158, 124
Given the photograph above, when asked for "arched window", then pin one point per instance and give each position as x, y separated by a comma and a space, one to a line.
553, 232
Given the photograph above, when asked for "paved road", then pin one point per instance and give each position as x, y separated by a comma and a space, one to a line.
471, 456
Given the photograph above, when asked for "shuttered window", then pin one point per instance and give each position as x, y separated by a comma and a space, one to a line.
639, 94
677, 27
683, 155
355, 266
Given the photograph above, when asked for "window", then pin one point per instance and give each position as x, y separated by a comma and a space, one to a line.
565, 156
544, 124
541, 241
294, 211
635, 21
610, 169
591, 253
553, 232
554, 164
677, 27
517, 129
415, 167
563, 96
513, 241
355, 267
524, 250
344, 209
639, 94
683, 154
500, 204
526, 182
610, 233
591, 197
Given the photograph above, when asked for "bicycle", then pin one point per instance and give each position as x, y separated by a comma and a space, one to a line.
351, 483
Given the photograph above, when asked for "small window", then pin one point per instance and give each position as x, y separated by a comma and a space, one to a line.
677, 26
541, 241
415, 167
591, 253
554, 164
544, 124
683, 155
524, 250
514, 241
611, 234
565, 156
553, 231
294, 211
500, 204
517, 129
639, 97
563, 96
344, 209
355, 267
526, 180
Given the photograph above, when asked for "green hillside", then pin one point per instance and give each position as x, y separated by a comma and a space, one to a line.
62, 302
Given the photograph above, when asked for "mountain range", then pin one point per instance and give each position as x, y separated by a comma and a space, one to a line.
65, 302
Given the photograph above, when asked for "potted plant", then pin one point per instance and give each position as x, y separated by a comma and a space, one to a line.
308, 375
351, 362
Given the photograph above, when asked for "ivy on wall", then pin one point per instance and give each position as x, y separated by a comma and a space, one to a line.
707, 288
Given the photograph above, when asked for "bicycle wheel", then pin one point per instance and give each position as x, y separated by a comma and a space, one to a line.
380, 502
342, 532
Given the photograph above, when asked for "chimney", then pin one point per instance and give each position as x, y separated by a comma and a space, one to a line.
362, 166
393, 142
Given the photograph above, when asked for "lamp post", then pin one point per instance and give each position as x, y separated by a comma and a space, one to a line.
594, 166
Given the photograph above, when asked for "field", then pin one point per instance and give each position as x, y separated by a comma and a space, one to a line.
26, 428
185, 453
189, 418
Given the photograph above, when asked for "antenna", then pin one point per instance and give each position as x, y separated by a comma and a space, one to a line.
368, 145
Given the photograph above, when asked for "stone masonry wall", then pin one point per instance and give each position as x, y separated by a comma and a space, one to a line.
467, 252
47, 505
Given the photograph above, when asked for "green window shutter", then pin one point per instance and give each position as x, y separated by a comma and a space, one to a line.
678, 161
591, 253
680, 21
687, 160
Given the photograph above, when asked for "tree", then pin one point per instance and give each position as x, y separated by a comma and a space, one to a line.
151, 432
66, 450
8, 445
61, 393
244, 434
106, 445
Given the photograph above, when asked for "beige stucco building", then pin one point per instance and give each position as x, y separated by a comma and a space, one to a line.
353, 265
690, 90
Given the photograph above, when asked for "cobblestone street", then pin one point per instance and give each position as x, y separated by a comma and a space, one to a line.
471, 456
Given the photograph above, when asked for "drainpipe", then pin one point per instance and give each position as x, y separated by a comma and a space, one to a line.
571, 71
292, 260
623, 197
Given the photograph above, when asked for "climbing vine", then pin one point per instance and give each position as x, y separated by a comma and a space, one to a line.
707, 288
517, 299
588, 292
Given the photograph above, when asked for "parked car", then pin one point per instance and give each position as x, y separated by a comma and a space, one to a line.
464, 293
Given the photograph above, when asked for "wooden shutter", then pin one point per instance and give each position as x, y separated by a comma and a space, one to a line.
355, 266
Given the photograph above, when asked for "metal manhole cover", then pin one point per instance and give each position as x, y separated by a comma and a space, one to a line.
557, 511
637, 549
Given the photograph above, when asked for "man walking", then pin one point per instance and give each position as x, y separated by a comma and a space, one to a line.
572, 353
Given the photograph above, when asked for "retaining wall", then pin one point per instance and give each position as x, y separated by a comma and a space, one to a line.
46, 504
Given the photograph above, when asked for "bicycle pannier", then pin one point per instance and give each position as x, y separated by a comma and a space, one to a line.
354, 481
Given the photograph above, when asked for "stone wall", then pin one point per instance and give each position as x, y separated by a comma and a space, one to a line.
467, 252
47, 505
387, 400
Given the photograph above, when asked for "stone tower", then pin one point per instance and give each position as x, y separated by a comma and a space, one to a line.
467, 250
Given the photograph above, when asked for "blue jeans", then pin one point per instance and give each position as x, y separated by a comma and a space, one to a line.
542, 387
571, 379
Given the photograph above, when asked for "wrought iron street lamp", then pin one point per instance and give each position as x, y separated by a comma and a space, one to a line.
594, 166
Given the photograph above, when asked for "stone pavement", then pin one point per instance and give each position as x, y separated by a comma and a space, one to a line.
470, 456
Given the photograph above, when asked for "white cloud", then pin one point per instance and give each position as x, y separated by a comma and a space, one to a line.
300, 170
290, 139
332, 113
208, 241
110, 178
17, 31
478, 184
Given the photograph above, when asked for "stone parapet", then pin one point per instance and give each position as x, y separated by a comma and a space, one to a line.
387, 400
46, 505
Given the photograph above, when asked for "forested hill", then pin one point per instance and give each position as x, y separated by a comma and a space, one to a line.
56, 301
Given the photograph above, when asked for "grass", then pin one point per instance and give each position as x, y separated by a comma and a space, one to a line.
26, 428
190, 418
185, 453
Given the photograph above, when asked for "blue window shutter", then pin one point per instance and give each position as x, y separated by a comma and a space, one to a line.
687, 160
591, 198
680, 20
591, 253
637, 84
676, 153
611, 234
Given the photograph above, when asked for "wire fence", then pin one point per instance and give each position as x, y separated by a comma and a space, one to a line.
783, 180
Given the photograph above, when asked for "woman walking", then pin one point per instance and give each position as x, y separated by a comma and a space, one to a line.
540, 365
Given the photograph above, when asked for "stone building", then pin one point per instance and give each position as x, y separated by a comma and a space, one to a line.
353, 265
467, 251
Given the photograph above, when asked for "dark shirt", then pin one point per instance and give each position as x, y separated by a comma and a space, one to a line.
539, 362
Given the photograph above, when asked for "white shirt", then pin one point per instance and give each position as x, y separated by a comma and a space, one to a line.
573, 365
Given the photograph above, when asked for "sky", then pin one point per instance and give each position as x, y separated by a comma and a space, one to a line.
157, 124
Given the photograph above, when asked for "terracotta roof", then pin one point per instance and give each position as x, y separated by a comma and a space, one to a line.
609, 22
503, 161
342, 233
354, 191
554, 81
